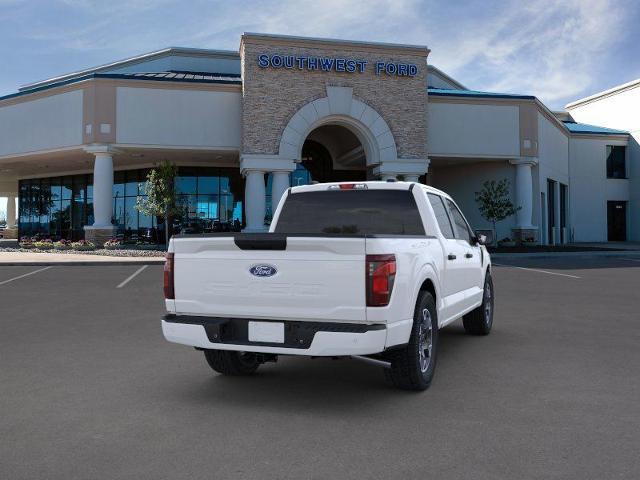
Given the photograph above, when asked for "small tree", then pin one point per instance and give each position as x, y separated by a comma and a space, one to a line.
160, 191
494, 202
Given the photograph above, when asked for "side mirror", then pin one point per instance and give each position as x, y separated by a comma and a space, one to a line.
480, 239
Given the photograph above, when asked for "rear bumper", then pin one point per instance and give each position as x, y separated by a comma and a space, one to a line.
301, 338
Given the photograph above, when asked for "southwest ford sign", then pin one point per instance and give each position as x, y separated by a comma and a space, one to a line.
334, 64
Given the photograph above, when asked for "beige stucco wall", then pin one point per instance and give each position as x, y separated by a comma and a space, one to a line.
178, 117
467, 129
54, 121
271, 96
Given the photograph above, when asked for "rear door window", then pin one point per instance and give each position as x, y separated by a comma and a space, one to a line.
442, 217
351, 212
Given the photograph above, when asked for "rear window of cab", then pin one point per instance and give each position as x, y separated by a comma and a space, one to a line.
351, 212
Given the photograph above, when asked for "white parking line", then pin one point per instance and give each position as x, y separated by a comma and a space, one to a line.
536, 270
132, 276
25, 275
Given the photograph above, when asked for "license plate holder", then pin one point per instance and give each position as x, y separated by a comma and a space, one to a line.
266, 332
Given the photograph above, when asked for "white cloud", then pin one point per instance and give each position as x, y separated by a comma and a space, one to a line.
545, 48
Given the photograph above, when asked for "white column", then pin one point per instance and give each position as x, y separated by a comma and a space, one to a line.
279, 185
254, 198
524, 193
411, 178
103, 190
11, 212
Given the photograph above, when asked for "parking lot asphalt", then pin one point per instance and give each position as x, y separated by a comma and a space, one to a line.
89, 389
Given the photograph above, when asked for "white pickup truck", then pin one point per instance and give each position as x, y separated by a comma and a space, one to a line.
368, 270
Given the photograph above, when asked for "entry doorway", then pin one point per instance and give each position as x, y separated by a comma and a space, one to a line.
551, 212
543, 219
333, 153
617, 221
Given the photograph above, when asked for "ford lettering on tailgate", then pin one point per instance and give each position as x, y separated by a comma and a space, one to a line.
263, 270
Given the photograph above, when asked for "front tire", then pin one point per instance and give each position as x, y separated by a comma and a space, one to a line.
413, 366
232, 363
480, 320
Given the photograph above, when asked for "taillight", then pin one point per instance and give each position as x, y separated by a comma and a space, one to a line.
381, 274
169, 293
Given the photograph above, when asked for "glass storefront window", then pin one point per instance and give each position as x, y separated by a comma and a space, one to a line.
208, 185
60, 207
186, 184
118, 184
131, 185
67, 188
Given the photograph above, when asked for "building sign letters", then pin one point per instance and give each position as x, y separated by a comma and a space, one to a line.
333, 64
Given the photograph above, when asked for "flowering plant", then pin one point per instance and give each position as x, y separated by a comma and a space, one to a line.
26, 242
46, 244
113, 244
62, 244
83, 245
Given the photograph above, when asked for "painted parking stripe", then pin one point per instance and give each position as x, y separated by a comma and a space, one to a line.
536, 270
25, 275
132, 276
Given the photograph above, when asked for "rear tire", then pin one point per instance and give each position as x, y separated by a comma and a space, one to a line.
413, 366
480, 320
232, 363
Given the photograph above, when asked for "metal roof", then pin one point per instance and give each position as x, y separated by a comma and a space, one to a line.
186, 77
177, 75
445, 92
585, 128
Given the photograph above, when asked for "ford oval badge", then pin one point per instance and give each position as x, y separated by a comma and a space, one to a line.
263, 270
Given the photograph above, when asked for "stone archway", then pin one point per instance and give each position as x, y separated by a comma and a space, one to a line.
340, 108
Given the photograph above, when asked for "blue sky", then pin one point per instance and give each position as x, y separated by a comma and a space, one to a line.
557, 50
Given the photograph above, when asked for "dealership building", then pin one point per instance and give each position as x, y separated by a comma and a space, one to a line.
244, 126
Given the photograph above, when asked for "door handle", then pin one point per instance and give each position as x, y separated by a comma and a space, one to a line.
451, 256
468, 255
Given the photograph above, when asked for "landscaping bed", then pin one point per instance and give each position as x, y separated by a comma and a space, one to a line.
101, 251
112, 248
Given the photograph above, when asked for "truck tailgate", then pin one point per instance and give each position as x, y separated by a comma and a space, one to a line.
294, 278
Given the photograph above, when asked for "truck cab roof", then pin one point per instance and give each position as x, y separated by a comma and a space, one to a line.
371, 185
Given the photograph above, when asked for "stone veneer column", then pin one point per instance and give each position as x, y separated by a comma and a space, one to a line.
102, 229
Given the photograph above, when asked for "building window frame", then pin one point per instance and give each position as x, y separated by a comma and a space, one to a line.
615, 171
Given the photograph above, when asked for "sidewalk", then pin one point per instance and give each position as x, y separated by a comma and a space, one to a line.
32, 258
